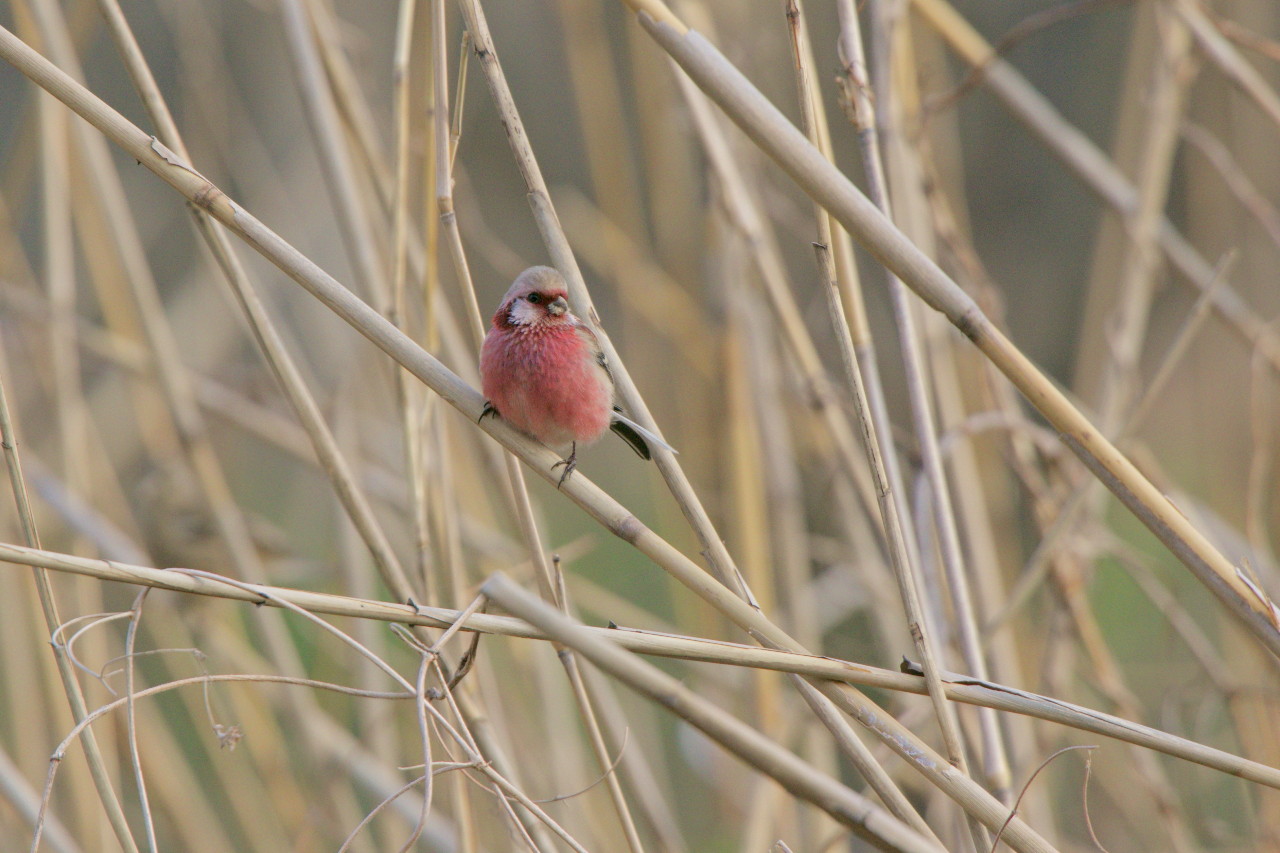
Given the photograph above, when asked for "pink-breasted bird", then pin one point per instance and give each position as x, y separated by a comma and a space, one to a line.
543, 372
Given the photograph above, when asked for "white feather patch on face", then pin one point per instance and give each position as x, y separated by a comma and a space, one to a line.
525, 313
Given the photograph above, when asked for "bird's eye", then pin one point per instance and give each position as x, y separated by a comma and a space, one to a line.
535, 298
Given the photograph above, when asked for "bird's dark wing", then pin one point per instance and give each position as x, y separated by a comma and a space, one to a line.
631, 437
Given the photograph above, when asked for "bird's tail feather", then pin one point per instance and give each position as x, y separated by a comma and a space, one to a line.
640, 438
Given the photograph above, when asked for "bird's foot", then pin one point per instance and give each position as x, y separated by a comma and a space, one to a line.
569, 463
486, 411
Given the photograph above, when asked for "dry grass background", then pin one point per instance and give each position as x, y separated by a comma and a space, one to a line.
1100, 176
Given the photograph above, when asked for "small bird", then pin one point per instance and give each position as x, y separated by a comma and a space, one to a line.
543, 372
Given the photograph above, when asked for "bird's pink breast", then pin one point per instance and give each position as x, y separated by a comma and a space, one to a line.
547, 382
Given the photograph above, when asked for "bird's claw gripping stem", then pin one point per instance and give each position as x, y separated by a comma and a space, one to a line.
569, 463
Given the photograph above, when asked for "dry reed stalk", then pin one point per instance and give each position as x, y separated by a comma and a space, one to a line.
766, 468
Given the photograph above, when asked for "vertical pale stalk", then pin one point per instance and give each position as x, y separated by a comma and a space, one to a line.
1161, 107
875, 120
355, 225
60, 275
750, 399
744, 212
73, 418
409, 393
591, 65
359, 121
874, 114
64, 343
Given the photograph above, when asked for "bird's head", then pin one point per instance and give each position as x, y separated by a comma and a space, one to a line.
538, 297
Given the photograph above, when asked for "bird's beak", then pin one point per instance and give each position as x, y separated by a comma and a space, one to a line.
557, 306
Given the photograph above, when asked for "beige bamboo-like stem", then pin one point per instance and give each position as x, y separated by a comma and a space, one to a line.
71, 406
409, 397
826, 184
358, 233
1163, 99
